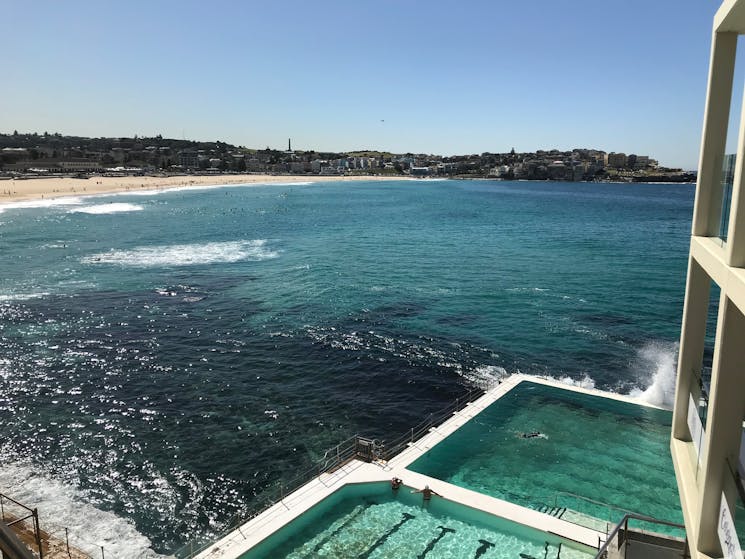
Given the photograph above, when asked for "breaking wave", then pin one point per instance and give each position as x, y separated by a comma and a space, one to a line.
4, 298
156, 190
657, 361
185, 255
586, 382
485, 376
654, 370
114, 207
44, 203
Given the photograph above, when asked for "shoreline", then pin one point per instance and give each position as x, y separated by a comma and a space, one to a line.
21, 190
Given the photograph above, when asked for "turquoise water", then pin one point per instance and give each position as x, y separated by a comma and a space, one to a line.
370, 521
168, 358
590, 450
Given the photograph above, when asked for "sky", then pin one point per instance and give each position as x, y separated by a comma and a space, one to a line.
402, 76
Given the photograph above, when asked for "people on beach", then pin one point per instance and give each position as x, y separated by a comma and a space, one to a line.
427, 492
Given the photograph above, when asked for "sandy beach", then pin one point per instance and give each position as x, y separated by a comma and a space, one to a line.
14, 190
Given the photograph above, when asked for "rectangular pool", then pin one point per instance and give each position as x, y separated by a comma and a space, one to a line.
591, 455
369, 520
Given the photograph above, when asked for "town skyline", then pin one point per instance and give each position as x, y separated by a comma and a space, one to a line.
29, 155
448, 79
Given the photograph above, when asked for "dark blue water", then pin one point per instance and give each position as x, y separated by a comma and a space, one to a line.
167, 358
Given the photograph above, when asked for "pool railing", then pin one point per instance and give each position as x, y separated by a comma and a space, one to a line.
620, 537
355, 447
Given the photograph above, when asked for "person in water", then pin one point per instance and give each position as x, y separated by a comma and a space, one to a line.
531, 435
427, 492
396, 483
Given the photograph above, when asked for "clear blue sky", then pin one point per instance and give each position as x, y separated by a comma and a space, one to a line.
446, 77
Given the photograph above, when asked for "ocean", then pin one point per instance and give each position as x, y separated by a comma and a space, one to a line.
168, 356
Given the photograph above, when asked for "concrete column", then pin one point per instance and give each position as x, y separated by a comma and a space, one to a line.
724, 422
708, 203
692, 338
736, 230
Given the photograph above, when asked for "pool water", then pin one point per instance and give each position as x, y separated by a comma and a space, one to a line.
595, 456
370, 521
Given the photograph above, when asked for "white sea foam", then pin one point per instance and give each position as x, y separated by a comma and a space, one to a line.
114, 207
656, 363
194, 187
654, 369
185, 255
5, 297
62, 506
485, 375
586, 382
44, 203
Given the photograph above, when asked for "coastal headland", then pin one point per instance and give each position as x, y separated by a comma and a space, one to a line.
16, 190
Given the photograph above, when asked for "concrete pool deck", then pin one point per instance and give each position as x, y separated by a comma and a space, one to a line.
249, 534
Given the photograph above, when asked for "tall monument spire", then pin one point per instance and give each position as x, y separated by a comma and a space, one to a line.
289, 144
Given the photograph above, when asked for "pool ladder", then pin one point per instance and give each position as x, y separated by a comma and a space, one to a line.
558, 512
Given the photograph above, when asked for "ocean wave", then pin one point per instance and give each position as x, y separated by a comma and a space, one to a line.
656, 362
485, 376
586, 382
527, 289
654, 370
185, 255
113, 207
61, 506
6, 297
43, 203
154, 191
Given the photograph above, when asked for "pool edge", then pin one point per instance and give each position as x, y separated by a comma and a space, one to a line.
257, 529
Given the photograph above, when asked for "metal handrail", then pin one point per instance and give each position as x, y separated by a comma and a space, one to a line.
593, 501
32, 513
333, 458
11, 546
434, 419
602, 550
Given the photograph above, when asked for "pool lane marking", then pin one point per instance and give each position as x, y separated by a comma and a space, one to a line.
381, 540
343, 525
483, 548
433, 543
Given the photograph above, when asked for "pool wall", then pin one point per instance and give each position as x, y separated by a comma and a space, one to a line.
381, 492
301, 501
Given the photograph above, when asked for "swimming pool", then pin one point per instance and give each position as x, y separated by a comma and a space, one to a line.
594, 456
370, 521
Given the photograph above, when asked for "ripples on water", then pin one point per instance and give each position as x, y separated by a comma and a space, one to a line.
167, 361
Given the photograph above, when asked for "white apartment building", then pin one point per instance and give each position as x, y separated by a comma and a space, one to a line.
707, 433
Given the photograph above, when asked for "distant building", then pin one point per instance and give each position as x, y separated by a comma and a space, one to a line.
556, 170
617, 160
420, 171
188, 159
317, 164
299, 167
500, 171
78, 165
254, 164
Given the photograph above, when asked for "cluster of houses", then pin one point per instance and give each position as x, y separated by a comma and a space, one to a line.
33, 154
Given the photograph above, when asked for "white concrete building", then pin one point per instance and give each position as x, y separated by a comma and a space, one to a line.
706, 441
